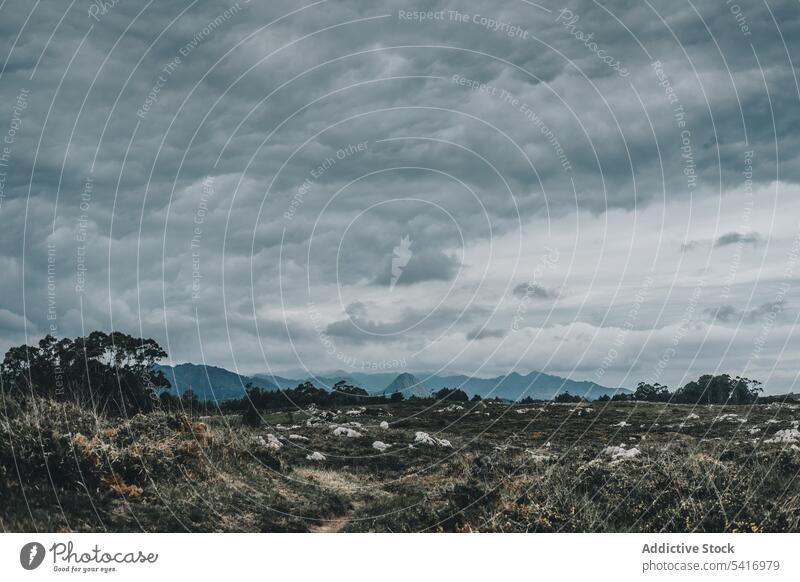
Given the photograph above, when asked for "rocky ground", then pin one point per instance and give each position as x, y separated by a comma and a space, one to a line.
411, 466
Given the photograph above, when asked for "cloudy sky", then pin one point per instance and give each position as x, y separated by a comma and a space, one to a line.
607, 192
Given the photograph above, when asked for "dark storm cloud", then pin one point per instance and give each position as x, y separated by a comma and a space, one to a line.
149, 103
535, 291
727, 239
732, 238
729, 314
478, 333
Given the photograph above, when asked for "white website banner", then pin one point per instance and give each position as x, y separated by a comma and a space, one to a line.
385, 557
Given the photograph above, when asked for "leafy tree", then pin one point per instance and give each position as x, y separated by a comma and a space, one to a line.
109, 372
454, 395
348, 394
720, 389
567, 397
652, 392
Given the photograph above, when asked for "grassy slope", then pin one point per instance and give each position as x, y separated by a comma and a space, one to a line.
62, 469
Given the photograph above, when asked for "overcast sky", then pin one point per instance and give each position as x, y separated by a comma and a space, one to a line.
608, 192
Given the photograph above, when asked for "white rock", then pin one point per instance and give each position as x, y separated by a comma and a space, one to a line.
346, 432
538, 458
730, 418
273, 442
693, 416
788, 435
315, 456
620, 453
384, 424
426, 439
297, 437
621, 424
380, 446
451, 408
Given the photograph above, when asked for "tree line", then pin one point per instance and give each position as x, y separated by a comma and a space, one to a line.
107, 372
113, 374
708, 389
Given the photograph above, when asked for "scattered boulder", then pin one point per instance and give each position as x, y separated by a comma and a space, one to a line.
346, 432
384, 425
730, 418
620, 453
380, 446
538, 458
272, 442
316, 456
426, 439
451, 408
788, 435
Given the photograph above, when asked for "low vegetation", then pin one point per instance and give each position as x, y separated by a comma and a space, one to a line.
309, 460
405, 466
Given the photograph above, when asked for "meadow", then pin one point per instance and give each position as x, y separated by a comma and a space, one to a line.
421, 466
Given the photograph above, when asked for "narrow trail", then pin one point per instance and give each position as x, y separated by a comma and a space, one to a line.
333, 525
336, 483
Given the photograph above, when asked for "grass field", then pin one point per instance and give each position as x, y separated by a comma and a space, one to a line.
406, 467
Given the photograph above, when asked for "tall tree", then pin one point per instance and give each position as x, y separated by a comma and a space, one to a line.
109, 372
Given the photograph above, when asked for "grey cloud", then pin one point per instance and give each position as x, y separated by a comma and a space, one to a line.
147, 170
536, 291
478, 333
729, 314
732, 238
727, 239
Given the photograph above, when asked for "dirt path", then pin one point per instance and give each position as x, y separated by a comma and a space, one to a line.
340, 483
333, 525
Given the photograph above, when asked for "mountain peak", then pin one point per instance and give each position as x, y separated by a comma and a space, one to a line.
408, 385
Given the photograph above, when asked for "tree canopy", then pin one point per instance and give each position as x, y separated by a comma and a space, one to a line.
108, 372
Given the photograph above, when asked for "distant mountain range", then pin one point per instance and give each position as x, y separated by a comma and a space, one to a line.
211, 382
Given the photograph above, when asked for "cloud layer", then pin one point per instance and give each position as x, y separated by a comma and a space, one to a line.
236, 180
